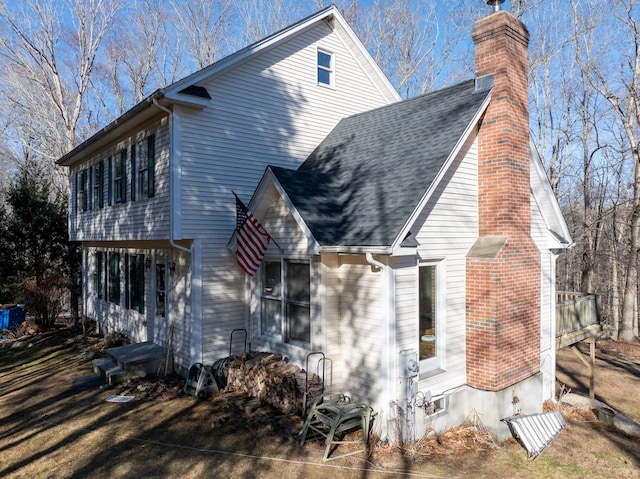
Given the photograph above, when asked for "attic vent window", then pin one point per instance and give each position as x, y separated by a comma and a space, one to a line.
325, 68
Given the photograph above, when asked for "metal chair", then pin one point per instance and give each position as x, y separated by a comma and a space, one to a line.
331, 417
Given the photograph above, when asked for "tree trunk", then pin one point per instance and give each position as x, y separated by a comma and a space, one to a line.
627, 331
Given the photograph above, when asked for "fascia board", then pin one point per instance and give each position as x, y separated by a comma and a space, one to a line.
270, 179
172, 92
243, 55
546, 200
136, 115
381, 82
187, 100
379, 250
434, 184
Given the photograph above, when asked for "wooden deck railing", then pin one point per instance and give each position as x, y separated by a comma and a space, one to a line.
576, 312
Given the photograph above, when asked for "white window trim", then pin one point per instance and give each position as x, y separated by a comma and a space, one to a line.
281, 338
436, 364
331, 69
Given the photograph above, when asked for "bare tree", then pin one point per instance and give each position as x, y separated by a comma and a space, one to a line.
411, 41
51, 63
140, 56
260, 18
619, 85
204, 24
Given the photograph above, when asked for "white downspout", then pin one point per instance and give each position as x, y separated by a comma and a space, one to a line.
172, 172
196, 270
374, 262
387, 346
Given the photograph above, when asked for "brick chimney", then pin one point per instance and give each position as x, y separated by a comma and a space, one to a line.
503, 267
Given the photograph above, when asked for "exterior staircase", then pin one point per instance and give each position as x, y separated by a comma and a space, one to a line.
130, 361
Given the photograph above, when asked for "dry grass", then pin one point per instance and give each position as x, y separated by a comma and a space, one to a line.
50, 428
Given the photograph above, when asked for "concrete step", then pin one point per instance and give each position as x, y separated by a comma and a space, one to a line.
138, 359
110, 371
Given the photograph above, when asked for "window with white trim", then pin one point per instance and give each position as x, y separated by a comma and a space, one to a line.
98, 185
325, 68
286, 301
120, 178
430, 315
99, 274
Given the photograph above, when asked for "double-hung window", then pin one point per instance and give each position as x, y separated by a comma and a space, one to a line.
120, 178
83, 194
325, 68
286, 301
146, 169
98, 185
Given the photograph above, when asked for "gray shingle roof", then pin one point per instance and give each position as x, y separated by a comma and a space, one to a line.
362, 183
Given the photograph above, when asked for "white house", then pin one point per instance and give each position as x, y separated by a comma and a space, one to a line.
414, 241
151, 193
416, 248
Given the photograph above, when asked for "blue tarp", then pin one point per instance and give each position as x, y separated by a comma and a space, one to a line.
11, 317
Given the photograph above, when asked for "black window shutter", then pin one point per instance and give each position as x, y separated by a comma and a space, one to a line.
127, 282
101, 185
90, 187
123, 169
151, 161
75, 194
141, 283
110, 181
133, 172
105, 273
83, 180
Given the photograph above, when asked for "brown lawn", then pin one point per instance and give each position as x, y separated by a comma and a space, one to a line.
51, 428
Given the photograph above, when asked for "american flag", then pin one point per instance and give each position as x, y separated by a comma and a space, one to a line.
251, 238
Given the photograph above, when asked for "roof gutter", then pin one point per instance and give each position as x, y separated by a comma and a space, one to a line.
367, 250
67, 160
172, 172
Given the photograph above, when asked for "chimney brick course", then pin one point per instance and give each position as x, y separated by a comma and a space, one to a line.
503, 292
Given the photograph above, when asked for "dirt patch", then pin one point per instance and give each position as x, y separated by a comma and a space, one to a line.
617, 375
49, 428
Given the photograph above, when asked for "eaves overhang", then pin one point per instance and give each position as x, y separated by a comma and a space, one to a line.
139, 114
135, 116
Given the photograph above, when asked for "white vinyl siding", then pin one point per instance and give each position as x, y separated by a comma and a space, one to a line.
141, 219
360, 319
540, 235
284, 229
142, 326
448, 228
268, 111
